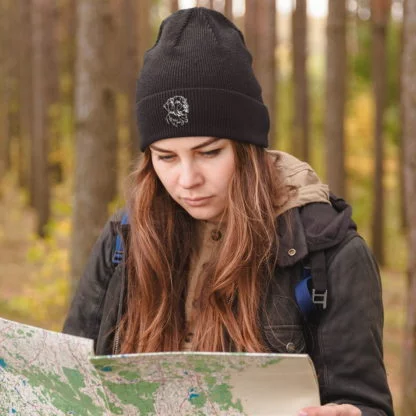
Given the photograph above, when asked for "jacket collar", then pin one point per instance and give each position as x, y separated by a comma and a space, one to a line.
292, 239
314, 227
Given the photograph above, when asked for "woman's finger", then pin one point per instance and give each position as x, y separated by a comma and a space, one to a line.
331, 409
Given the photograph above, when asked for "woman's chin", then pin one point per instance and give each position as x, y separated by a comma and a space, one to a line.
204, 214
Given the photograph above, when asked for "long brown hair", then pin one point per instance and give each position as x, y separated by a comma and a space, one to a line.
161, 244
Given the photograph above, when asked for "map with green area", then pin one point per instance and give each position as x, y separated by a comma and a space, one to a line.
49, 373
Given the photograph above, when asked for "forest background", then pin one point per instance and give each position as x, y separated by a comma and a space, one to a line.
332, 79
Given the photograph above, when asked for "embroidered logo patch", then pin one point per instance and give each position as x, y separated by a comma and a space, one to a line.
178, 109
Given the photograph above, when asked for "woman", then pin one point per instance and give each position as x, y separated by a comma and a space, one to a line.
221, 230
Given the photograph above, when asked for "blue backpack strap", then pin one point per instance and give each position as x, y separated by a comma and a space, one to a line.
303, 293
311, 292
119, 249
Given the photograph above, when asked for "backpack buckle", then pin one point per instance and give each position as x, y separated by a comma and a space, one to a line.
319, 298
117, 256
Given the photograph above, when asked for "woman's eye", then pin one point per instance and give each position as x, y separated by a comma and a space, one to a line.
165, 158
211, 153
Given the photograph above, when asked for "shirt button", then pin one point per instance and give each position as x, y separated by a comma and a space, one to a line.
290, 347
216, 235
291, 252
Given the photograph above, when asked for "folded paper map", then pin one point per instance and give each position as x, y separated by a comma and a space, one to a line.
49, 373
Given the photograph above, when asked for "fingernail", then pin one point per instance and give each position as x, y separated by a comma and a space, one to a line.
302, 413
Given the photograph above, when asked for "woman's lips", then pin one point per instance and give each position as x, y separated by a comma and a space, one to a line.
196, 202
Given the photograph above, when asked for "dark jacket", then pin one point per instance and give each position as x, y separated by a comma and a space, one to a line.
344, 340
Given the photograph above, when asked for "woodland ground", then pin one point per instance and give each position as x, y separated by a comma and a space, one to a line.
34, 287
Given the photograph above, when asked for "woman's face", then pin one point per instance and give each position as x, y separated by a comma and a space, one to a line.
196, 172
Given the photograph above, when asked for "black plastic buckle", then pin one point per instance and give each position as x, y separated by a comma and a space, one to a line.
319, 298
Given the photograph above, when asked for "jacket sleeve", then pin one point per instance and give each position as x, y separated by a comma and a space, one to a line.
85, 312
347, 339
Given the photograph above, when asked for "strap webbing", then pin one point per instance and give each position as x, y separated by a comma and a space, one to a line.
119, 249
318, 267
312, 291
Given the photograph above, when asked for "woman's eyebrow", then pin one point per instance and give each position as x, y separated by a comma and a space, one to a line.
209, 141
206, 143
152, 146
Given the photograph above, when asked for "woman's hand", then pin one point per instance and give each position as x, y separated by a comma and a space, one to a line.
331, 409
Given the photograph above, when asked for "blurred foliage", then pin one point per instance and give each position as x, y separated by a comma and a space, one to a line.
43, 297
361, 71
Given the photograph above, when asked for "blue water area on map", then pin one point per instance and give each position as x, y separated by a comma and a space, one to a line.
107, 368
192, 394
3, 363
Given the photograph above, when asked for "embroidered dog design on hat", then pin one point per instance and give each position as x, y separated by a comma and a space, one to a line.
178, 109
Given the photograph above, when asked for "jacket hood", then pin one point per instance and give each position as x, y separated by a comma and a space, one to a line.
299, 176
311, 228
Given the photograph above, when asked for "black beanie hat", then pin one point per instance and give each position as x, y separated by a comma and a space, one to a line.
198, 80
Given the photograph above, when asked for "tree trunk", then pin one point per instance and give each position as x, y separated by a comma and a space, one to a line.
403, 216
228, 9
205, 3
68, 45
40, 145
408, 96
12, 81
67, 40
144, 32
265, 55
300, 82
25, 91
250, 29
174, 5
131, 68
5, 56
145, 42
51, 55
53, 108
96, 135
380, 10
336, 56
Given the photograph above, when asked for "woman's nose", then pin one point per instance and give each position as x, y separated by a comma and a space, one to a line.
189, 175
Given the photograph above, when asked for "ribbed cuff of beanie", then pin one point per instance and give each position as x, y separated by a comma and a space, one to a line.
208, 112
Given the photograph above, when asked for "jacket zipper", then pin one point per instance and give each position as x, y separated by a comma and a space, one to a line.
116, 342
